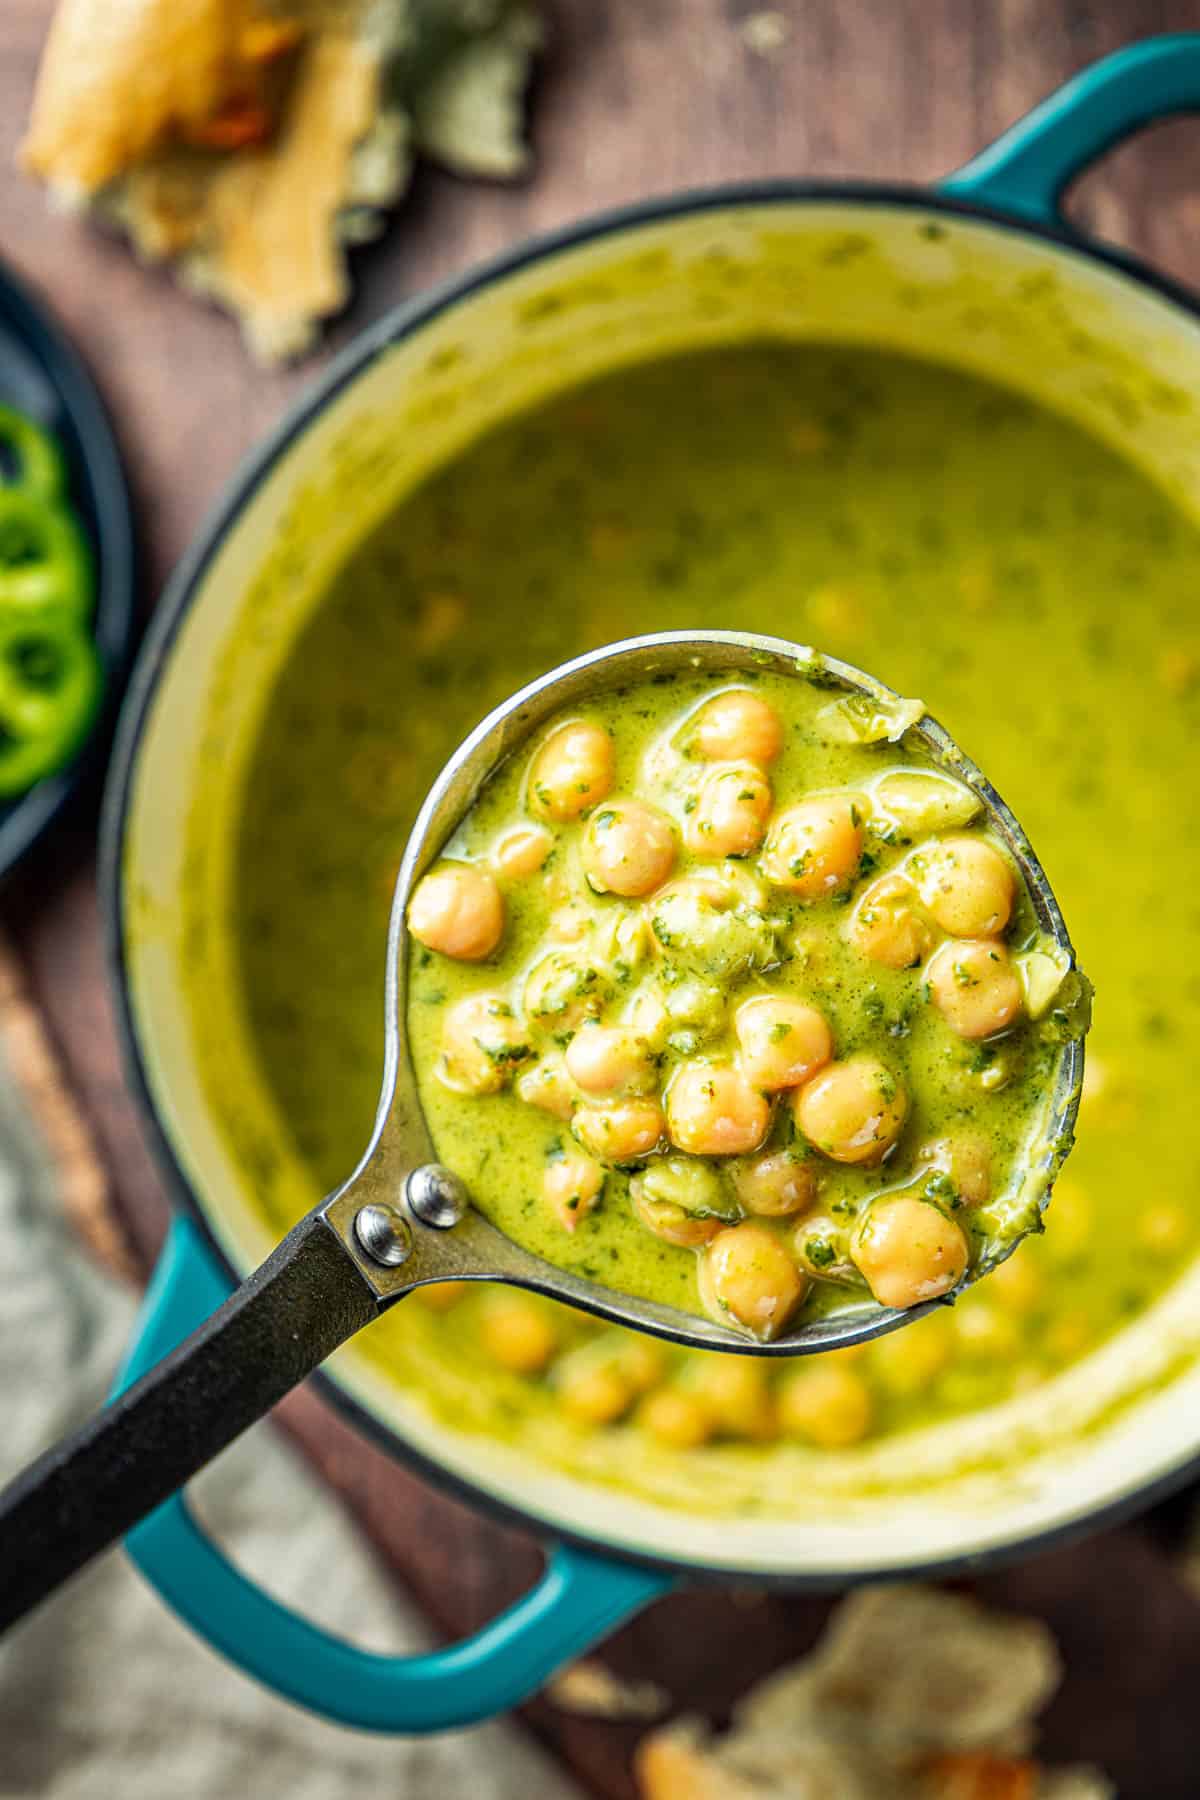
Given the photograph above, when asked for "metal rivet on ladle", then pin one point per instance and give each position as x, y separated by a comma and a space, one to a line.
385, 1234
437, 1196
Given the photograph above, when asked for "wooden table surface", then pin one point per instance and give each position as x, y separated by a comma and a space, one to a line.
632, 97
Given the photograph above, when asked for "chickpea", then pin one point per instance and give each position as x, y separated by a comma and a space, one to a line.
517, 1332
966, 884
457, 910
619, 1131
1164, 1229
640, 1360
563, 990
695, 1014
916, 802
482, 1042
686, 1182
648, 1018
783, 1042
906, 1363
974, 986
853, 1111
986, 1332
1067, 1337
548, 1087
670, 1223
608, 1059
712, 1110
775, 1186
676, 1418
732, 883
572, 1186
820, 1244
908, 1251
731, 813
522, 851
572, 771
1016, 1283
747, 1275
440, 1296
827, 1404
592, 1390
885, 925
705, 885
681, 1200
621, 935
813, 848
965, 1161
1044, 977
734, 1392
738, 726
628, 848
570, 922
706, 927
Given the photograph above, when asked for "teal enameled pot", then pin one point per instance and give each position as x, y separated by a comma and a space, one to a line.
983, 272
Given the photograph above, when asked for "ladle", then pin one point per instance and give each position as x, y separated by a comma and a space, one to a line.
402, 1219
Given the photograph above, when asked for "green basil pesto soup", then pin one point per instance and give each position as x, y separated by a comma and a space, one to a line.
723, 996
969, 545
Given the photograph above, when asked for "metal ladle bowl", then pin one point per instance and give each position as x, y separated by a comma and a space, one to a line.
402, 1219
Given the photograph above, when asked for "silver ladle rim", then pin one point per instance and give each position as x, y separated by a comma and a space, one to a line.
402, 1220
407, 1220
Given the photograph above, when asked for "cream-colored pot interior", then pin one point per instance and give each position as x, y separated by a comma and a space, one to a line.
1091, 342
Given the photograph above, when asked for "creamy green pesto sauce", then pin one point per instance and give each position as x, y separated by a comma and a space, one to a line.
974, 549
502, 1146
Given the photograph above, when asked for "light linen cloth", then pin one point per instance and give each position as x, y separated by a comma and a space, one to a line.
104, 1695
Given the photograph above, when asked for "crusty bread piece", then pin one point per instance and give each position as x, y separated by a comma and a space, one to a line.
684, 1762
248, 142
889, 1657
678, 1763
259, 231
912, 1694
117, 76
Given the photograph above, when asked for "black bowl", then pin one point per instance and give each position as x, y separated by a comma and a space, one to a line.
41, 375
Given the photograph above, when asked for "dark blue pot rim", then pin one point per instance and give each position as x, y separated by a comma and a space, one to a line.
396, 326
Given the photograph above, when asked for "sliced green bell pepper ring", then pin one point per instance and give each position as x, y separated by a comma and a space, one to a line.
50, 685
44, 557
31, 461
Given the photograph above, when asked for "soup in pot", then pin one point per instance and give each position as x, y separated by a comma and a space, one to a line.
973, 547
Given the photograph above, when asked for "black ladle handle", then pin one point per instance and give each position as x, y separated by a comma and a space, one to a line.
90, 1489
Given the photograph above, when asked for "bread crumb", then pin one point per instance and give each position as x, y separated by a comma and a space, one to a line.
765, 33
592, 1689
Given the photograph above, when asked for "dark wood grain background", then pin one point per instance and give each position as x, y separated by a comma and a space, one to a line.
633, 97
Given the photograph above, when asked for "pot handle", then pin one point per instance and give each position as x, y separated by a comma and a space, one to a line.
1026, 171
579, 1598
